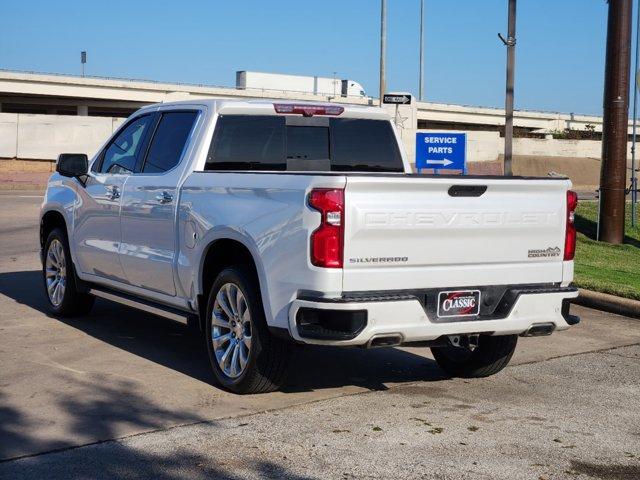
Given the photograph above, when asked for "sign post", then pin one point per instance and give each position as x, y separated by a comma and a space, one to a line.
441, 151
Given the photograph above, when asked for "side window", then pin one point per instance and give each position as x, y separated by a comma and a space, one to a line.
169, 141
121, 154
247, 142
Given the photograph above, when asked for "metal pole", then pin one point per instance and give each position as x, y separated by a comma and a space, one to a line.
510, 42
634, 179
383, 47
334, 84
83, 60
615, 122
421, 82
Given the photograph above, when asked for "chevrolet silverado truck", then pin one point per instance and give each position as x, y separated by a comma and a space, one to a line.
273, 224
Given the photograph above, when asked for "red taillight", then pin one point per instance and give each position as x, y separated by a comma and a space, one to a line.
308, 110
570, 234
327, 240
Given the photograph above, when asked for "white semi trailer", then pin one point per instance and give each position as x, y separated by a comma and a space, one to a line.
330, 87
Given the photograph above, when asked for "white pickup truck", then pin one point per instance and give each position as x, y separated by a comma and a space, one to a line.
272, 224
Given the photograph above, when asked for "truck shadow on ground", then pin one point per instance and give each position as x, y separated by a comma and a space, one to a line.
95, 417
175, 346
98, 406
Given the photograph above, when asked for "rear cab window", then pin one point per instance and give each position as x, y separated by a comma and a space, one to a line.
297, 143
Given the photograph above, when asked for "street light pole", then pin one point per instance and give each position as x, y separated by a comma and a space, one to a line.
383, 47
83, 60
615, 122
421, 81
510, 43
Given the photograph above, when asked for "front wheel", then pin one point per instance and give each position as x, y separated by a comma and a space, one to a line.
61, 290
488, 357
244, 356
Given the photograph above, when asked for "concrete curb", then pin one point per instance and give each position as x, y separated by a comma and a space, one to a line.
17, 187
608, 303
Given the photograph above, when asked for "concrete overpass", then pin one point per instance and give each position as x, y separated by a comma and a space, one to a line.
43, 115
46, 93
22, 92
441, 115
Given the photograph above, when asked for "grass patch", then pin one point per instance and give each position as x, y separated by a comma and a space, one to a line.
602, 267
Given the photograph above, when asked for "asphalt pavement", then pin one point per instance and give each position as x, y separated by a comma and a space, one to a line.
125, 394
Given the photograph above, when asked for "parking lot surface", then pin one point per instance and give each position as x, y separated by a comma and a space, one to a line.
125, 394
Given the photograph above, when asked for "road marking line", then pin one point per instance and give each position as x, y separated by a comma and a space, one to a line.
57, 365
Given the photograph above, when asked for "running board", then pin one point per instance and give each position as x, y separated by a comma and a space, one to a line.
154, 308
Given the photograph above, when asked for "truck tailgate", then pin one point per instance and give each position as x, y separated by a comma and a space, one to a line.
404, 232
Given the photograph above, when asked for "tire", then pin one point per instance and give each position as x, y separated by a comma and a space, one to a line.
59, 278
244, 356
490, 356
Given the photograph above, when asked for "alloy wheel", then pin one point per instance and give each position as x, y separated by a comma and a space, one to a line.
231, 330
56, 272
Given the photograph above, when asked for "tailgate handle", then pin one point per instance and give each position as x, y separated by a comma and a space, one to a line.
467, 190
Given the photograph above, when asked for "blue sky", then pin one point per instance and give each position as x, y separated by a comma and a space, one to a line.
559, 59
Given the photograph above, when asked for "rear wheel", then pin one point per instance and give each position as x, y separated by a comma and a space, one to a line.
61, 291
487, 357
244, 356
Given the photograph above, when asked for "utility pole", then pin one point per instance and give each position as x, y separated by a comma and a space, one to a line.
383, 47
421, 82
634, 175
510, 43
615, 122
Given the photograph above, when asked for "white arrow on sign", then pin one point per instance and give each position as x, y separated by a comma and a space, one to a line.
445, 162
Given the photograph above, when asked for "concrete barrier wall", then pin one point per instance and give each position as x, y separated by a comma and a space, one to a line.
557, 148
8, 135
44, 137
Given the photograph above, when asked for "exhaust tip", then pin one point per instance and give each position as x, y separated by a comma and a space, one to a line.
539, 330
385, 340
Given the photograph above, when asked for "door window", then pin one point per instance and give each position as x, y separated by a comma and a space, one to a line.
169, 141
122, 153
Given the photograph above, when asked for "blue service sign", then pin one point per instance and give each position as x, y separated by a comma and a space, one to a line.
440, 151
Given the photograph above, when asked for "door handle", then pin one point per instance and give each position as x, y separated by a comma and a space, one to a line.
164, 197
112, 192
467, 190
